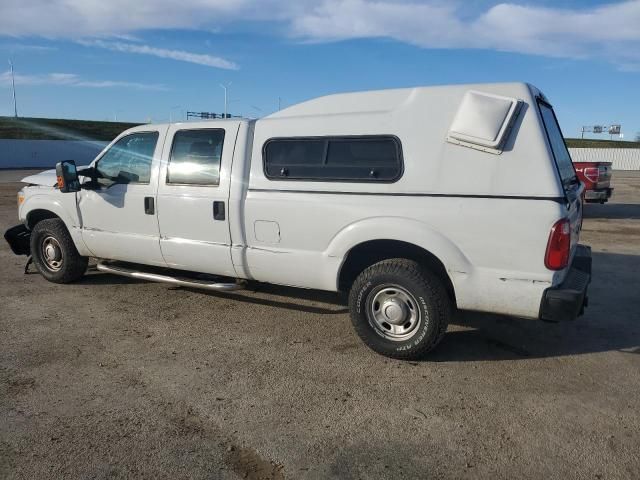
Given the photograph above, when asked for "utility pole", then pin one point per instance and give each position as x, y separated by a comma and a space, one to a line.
13, 84
279, 103
225, 87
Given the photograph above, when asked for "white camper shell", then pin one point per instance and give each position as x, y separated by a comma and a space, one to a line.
413, 201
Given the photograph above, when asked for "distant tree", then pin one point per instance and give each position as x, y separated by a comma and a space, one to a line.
638, 137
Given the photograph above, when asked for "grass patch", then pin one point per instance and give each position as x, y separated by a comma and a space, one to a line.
60, 129
590, 143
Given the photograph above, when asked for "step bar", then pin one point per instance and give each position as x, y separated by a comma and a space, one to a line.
116, 269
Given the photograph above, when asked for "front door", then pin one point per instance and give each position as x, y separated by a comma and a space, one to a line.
119, 214
193, 196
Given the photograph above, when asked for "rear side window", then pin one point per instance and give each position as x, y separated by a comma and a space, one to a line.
360, 159
559, 148
195, 157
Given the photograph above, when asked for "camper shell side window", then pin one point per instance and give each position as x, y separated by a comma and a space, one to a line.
372, 158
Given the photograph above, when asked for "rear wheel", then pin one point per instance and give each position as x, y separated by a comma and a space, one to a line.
54, 254
399, 309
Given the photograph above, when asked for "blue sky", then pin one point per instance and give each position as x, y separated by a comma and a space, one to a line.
153, 60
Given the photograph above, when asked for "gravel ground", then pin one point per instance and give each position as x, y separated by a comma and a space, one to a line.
114, 378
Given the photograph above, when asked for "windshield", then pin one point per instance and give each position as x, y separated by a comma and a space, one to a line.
560, 152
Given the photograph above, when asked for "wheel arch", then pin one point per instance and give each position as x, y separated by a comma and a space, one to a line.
367, 253
361, 245
37, 215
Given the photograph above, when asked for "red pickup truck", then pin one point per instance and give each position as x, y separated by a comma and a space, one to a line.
596, 177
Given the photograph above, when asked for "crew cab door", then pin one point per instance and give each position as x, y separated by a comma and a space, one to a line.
193, 197
118, 211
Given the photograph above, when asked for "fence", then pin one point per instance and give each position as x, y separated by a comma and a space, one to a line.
46, 153
622, 158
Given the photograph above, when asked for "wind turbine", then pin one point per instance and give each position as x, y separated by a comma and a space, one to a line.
13, 84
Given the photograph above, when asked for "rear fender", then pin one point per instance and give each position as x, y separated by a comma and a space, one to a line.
403, 230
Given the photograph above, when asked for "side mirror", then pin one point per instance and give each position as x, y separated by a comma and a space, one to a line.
67, 176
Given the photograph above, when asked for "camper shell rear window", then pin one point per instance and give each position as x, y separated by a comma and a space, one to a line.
558, 146
374, 158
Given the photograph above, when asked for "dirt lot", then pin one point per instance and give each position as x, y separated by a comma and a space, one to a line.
113, 378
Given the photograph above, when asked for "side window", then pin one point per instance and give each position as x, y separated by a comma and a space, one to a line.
195, 157
128, 160
360, 159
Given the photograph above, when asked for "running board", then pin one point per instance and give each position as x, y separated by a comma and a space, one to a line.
116, 269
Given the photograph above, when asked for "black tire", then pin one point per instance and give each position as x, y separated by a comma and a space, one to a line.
66, 265
402, 286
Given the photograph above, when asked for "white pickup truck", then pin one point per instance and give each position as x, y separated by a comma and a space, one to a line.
415, 202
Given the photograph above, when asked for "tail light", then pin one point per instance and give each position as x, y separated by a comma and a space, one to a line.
559, 246
592, 174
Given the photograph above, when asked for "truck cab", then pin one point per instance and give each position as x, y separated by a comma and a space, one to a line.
411, 201
160, 197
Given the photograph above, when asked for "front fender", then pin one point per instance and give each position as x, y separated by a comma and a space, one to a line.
54, 203
64, 206
404, 230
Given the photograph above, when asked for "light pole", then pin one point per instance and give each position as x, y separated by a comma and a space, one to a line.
13, 84
225, 87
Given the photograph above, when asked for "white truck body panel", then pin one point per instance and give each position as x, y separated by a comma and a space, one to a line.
189, 239
113, 224
485, 216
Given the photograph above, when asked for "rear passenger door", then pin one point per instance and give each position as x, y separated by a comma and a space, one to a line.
193, 195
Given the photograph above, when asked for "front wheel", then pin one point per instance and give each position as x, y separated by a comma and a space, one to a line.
54, 253
399, 309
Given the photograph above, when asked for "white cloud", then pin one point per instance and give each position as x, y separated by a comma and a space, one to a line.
73, 80
507, 27
629, 67
79, 18
608, 31
20, 47
180, 55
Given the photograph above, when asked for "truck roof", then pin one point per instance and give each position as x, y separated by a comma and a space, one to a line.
370, 101
197, 123
384, 101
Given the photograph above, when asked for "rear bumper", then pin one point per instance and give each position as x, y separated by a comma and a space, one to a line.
601, 195
19, 238
568, 300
